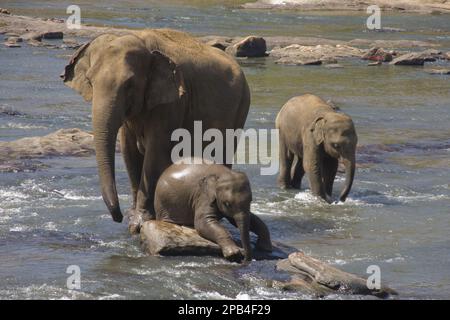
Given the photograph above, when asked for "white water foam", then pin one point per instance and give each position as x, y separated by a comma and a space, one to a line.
16, 125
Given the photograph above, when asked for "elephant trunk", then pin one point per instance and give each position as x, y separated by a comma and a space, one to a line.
106, 124
349, 163
243, 222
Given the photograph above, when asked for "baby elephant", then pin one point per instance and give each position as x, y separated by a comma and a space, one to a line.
313, 136
200, 195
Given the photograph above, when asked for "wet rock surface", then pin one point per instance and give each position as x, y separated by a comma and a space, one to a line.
168, 239
251, 46
418, 58
312, 276
313, 55
64, 142
439, 71
378, 54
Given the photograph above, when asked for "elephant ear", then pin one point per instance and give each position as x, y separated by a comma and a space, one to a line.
74, 75
208, 188
317, 130
166, 83
76, 71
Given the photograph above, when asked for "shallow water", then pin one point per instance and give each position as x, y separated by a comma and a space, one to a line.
396, 216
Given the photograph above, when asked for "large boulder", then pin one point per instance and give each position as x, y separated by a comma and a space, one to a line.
64, 142
251, 47
377, 54
296, 54
310, 275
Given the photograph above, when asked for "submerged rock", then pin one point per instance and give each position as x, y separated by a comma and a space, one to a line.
313, 276
251, 47
439, 71
12, 44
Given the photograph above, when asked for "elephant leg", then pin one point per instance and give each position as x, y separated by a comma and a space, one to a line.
297, 172
212, 230
133, 159
330, 167
313, 165
258, 227
286, 158
152, 170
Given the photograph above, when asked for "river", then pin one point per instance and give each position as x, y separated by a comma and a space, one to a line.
396, 217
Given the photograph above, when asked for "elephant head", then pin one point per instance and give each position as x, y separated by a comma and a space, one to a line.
123, 79
336, 132
232, 195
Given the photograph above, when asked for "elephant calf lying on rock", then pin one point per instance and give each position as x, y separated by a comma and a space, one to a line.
313, 136
200, 195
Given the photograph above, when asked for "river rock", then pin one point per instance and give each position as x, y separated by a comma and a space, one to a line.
312, 275
296, 54
168, 239
377, 54
14, 39
12, 44
334, 66
32, 36
38, 36
251, 47
163, 238
4, 11
438, 71
220, 43
64, 142
418, 58
52, 35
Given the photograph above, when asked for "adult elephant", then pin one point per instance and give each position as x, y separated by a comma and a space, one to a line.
147, 84
312, 138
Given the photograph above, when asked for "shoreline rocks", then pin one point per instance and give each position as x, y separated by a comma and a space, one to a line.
430, 7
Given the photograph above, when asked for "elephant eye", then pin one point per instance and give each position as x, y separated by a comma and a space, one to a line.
227, 204
335, 145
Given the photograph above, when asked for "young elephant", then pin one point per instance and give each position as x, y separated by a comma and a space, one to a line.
313, 136
199, 195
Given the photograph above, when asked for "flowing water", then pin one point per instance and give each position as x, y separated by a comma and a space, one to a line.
397, 215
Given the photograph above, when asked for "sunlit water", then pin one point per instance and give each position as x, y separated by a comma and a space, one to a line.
397, 216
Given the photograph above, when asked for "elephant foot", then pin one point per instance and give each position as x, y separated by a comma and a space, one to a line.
283, 185
233, 254
136, 217
264, 245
